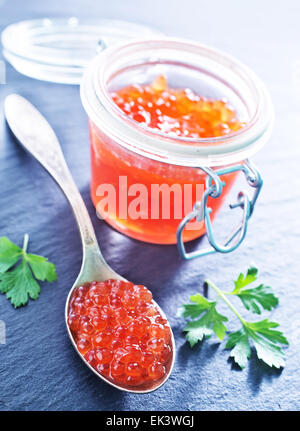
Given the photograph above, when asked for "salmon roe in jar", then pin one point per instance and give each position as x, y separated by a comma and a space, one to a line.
174, 112
121, 333
166, 118
178, 112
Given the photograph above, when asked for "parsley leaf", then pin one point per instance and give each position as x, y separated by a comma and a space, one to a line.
255, 298
266, 341
261, 335
244, 281
196, 331
259, 296
239, 343
211, 321
18, 282
194, 310
41, 268
9, 254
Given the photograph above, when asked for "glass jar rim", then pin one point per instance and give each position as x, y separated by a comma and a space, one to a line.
215, 151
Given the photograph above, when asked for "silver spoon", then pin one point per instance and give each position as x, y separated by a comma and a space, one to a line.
38, 138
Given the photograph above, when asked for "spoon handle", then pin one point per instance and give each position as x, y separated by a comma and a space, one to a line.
36, 135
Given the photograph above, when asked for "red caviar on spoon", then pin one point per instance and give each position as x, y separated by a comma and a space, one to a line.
120, 332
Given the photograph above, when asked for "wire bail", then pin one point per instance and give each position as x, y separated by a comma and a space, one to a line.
214, 188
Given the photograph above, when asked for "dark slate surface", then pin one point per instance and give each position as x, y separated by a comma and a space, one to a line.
38, 367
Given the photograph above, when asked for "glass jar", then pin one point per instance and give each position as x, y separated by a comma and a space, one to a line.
136, 171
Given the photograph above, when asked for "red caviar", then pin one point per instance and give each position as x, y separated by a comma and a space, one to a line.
177, 113
126, 341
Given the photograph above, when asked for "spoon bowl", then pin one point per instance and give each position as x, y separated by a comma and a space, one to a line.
36, 135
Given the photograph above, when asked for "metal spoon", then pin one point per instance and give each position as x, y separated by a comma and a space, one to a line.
38, 138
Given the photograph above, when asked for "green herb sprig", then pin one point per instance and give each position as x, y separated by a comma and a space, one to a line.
18, 282
266, 340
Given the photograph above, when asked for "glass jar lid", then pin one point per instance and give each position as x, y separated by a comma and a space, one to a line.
58, 49
205, 70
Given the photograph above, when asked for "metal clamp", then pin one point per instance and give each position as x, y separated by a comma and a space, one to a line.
214, 188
